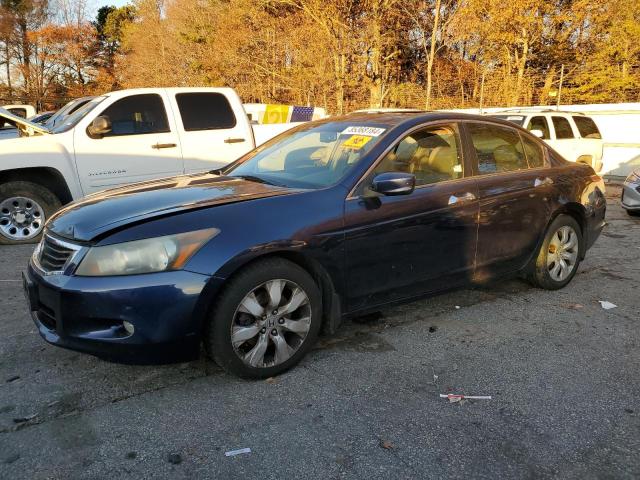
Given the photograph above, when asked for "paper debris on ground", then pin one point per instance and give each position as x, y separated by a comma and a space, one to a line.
457, 398
233, 453
607, 305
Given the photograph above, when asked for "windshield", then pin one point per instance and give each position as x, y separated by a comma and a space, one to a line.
311, 156
517, 119
72, 120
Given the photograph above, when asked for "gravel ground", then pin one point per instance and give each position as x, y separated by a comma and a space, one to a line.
563, 374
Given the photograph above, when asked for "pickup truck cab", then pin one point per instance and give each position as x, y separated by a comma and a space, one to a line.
573, 135
119, 138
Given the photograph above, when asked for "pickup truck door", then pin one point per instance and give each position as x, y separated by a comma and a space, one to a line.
142, 145
213, 127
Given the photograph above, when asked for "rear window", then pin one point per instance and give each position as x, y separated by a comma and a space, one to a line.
205, 111
587, 127
562, 128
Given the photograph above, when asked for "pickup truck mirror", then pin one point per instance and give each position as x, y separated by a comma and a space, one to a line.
537, 133
99, 127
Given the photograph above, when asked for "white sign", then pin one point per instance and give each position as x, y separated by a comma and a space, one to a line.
368, 131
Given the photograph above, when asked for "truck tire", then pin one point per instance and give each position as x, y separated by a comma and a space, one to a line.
24, 209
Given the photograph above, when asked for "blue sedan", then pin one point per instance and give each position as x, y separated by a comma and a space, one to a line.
332, 219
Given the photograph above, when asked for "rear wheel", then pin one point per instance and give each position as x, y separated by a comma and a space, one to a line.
559, 256
24, 209
633, 213
265, 321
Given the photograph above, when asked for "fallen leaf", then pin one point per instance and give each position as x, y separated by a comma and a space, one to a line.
271, 380
386, 444
575, 306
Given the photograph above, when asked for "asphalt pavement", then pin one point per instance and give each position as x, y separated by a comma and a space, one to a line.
563, 374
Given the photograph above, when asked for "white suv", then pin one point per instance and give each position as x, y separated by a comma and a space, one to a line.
573, 135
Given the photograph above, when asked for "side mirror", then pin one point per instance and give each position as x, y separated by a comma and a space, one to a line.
394, 183
99, 127
537, 133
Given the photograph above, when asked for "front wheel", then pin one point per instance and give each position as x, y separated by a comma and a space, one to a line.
558, 259
24, 209
265, 321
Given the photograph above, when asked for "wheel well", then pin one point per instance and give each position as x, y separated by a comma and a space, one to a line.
331, 306
49, 178
576, 211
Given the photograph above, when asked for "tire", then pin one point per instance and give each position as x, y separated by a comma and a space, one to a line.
543, 272
24, 209
633, 213
259, 333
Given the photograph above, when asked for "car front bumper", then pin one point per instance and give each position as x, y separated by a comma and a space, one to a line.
88, 314
631, 195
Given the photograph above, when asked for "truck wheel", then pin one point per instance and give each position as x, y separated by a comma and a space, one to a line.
558, 259
265, 321
24, 209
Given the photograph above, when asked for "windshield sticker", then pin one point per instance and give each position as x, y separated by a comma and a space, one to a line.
369, 131
356, 142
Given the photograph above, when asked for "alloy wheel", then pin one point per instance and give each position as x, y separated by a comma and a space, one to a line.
271, 323
562, 255
21, 218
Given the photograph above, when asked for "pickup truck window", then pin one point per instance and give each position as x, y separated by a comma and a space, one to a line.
562, 127
205, 111
137, 115
587, 127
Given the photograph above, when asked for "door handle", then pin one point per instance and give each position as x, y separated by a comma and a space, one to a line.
467, 197
164, 145
540, 182
234, 140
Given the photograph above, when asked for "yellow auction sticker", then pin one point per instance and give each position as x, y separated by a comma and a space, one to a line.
356, 142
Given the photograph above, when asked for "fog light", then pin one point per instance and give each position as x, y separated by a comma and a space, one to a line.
128, 327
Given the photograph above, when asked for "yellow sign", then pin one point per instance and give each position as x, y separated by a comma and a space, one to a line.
356, 142
276, 114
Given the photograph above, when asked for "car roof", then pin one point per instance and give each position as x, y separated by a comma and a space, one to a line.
394, 118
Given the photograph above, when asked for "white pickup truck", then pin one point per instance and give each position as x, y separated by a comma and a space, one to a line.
121, 137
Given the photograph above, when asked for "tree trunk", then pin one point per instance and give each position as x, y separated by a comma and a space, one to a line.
432, 52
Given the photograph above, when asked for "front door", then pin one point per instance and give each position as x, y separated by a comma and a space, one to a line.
398, 247
143, 144
514, 192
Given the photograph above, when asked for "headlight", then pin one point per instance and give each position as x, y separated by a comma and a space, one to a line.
144, 256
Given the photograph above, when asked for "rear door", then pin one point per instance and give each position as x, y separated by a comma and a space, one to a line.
213, 126
514, 192
565, 139
143, 144
398, 247
590, 140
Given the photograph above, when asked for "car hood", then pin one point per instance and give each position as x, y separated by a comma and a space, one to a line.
103, 212
29, 128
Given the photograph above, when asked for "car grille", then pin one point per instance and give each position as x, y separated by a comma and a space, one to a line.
55, 255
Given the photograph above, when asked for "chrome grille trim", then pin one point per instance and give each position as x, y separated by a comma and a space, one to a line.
52, 255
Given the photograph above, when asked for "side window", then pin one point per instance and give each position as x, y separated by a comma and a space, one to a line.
137, 115
498, 148
533, 152
587, 127
540, 123
20, 112
562, 128
432, 154
205, 111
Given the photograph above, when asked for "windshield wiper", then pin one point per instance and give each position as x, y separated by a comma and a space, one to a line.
253, 178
